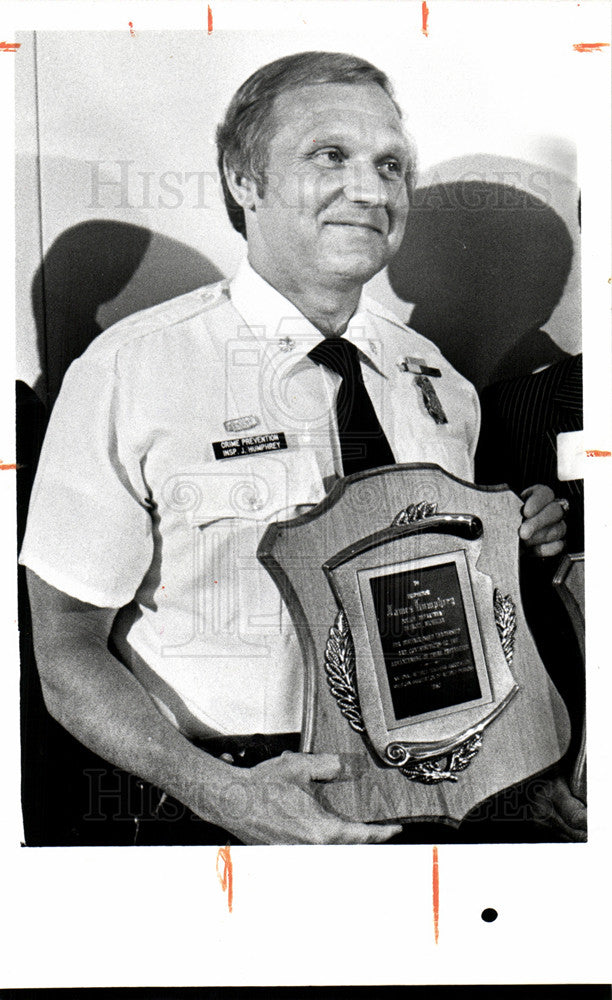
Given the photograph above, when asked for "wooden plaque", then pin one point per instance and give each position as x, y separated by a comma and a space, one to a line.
569, 581
420, 670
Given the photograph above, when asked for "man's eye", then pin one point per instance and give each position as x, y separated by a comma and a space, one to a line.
391, 167
329, 156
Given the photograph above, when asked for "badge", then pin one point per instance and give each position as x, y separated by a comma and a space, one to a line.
252, 445
240, 424
418, 367
430, 399
286, 344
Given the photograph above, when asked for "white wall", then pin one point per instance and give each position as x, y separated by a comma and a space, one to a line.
154, 100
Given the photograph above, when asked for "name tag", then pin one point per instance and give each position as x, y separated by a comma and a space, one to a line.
233, 447
570, 456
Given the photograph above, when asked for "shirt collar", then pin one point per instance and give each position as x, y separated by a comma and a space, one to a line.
277, 320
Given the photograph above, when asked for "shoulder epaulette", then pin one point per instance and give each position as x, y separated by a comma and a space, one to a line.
178, 309
159, 317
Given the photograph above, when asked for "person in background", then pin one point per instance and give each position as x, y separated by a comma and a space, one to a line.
532, 432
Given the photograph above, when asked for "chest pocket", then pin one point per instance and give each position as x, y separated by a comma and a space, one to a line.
256, 488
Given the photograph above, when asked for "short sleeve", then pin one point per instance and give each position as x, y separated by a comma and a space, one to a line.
89, 529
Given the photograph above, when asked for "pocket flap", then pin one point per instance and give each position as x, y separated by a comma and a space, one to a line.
256, 487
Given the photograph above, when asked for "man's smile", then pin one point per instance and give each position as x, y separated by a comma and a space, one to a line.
355, 224
336, 210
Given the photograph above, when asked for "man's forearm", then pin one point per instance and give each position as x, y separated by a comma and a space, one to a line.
106, 708
101, 703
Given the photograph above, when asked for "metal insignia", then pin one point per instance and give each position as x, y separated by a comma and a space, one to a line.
433, 770
505, 618
430, 399
340, 671
240, 424
415, 512
286, 344
418, 366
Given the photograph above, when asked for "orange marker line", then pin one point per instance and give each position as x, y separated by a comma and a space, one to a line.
598, 454
3, 467
425, 16
9, 46
226, 876
591, 46
210, 20
436, 893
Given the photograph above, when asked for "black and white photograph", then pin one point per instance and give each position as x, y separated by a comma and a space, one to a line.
301, 305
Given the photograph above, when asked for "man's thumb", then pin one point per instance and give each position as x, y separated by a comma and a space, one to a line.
323, 766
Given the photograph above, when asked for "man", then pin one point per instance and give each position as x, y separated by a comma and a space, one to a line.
538, 417
531, 430
184, 430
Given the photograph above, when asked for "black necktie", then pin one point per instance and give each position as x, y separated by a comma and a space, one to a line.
362, 440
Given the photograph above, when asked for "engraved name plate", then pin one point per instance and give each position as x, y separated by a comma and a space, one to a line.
424, 625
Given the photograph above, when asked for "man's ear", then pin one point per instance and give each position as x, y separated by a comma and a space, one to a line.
242, 187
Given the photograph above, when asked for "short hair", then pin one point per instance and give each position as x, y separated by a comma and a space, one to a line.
244, 135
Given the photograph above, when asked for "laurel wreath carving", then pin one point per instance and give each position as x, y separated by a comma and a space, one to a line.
415, 512
341, 678
504, 611
340, 672
445, 768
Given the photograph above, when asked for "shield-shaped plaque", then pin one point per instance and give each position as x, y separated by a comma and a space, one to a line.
420, 670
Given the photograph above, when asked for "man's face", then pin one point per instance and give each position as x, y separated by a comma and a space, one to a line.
335, 203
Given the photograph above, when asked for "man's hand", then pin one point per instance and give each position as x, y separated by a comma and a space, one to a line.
274, 803
543, 528
555, 806
100, 702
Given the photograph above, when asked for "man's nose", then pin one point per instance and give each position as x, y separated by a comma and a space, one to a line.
364, 184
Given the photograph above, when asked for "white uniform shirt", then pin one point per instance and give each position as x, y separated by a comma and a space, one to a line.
132, 507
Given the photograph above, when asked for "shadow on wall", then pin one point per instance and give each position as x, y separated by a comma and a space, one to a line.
125, 268
485, 265
90, 265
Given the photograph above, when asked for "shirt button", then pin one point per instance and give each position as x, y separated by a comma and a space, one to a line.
254, 502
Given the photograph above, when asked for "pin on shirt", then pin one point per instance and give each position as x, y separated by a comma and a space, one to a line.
424, 373
418, 366
241, 423
431, 400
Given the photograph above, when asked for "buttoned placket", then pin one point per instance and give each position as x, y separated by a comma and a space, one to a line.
285, 337
330, 382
